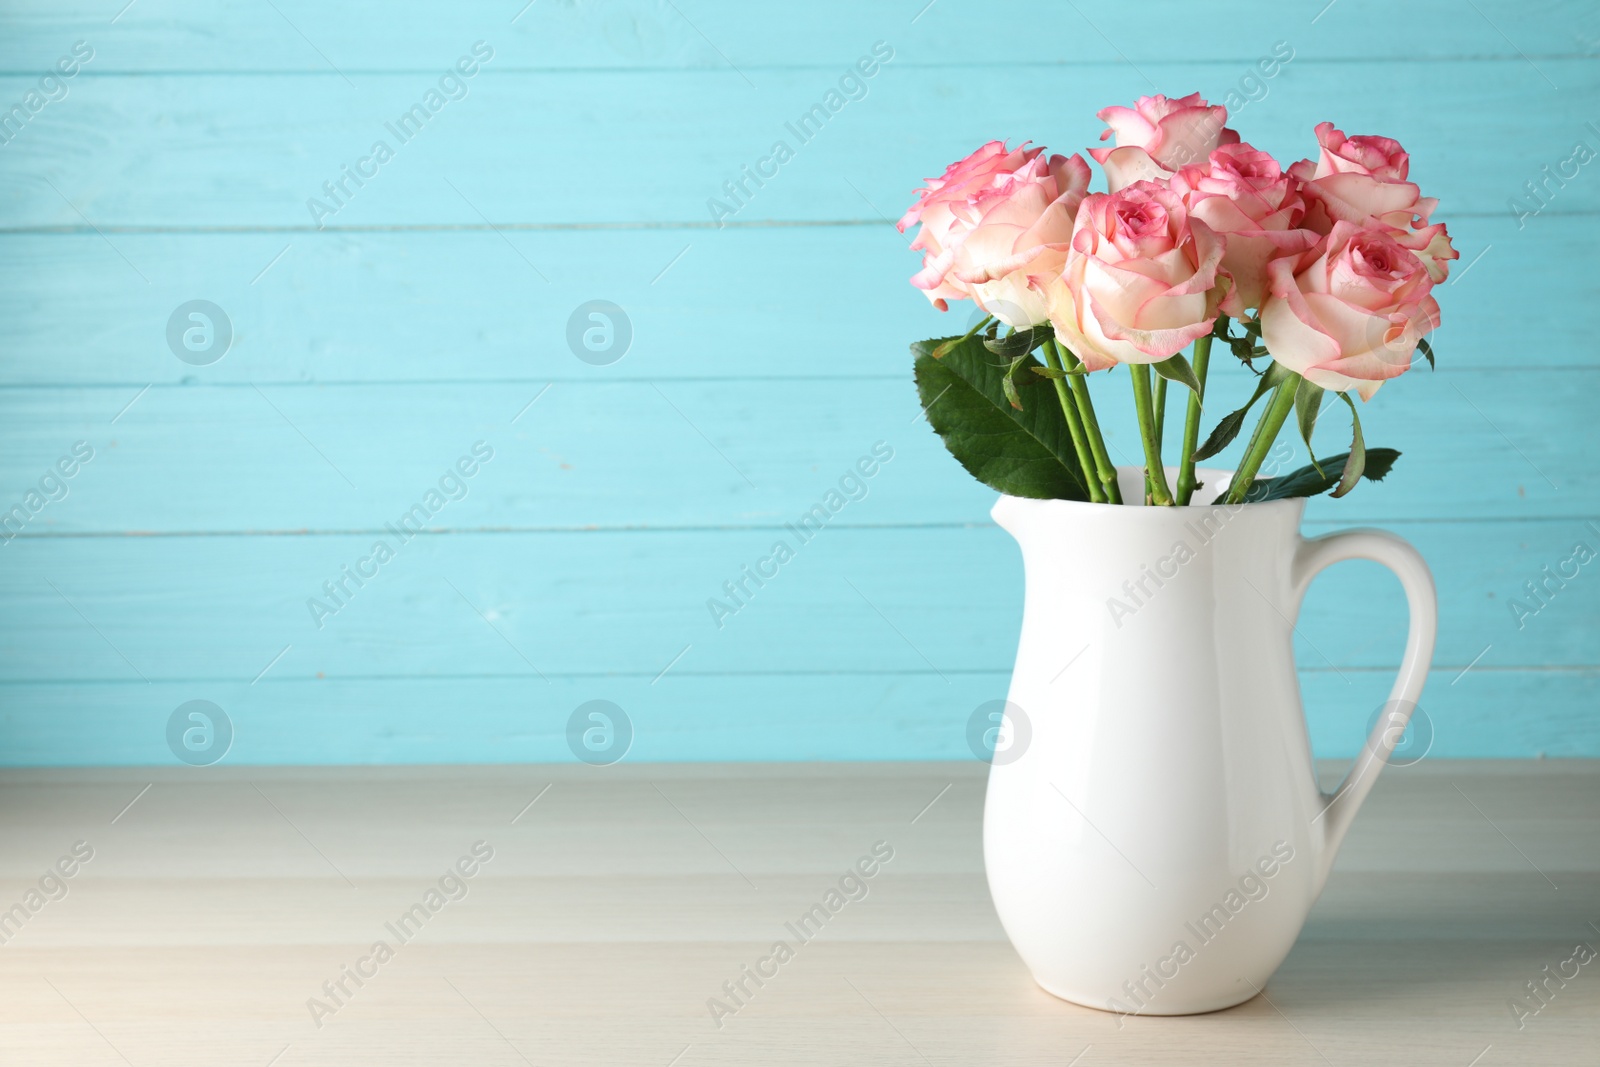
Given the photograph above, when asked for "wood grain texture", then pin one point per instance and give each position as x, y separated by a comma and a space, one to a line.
768, 356
447, 306
202, 151
841, 604
616, 905
1475, 445
303, 37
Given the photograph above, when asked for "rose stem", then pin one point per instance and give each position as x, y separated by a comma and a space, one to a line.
980, 325
1266, 432
1161, 417
1154, 474
1091, 429
1161, 407
1080, 444
1191, 422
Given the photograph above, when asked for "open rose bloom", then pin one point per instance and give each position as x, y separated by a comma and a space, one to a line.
1348, 314
992, 222
1243, 195
1140, 283
1327, 266
1362, 180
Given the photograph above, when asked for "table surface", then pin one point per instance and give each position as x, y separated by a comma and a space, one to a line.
618, 900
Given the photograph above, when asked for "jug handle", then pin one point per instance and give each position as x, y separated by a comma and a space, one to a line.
1338, 809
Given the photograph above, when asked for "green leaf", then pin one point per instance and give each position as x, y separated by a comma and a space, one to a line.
1222, 434
1427, 350
1309, 481
1249, 346
1024, 452
1177, 369
1009, 383
1245, 350
951, 342
1051, 372
1226, 430
1021, 342
1357, 459
1307, 404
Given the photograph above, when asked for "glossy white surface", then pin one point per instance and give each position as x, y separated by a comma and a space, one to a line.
1154, 835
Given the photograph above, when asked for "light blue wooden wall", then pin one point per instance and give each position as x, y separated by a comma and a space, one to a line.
768, 355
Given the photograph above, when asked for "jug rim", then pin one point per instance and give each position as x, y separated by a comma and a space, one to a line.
1210, 483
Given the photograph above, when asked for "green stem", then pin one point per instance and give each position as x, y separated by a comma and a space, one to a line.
1155, 474
1080, 442
980, 325
1091, 429
1191, 422
1266, 433
1161, 408
1160, 420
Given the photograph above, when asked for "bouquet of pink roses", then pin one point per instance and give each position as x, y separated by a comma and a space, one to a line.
1326, 268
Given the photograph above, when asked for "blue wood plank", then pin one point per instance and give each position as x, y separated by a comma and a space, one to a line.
196, 458
942, 600
254, 150
432, 306
365, 35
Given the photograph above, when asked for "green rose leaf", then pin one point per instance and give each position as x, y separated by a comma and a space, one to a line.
1307, 404
1025, 452
1009, 384
1427, 350
1357, 458
1309, 481
1021, 342
1227, 429
1222, 434
1177, 369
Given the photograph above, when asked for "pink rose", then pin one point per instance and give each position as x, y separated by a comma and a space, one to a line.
1399, 208
994, 220
1381, 157
1244, 195
1141, 280
1362, 180
1347, 314
1157, 136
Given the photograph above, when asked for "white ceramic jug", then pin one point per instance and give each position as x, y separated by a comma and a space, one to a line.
1154, 833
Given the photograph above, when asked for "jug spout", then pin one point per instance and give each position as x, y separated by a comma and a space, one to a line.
1008, 513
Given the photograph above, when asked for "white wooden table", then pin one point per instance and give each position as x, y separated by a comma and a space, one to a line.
217, 905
